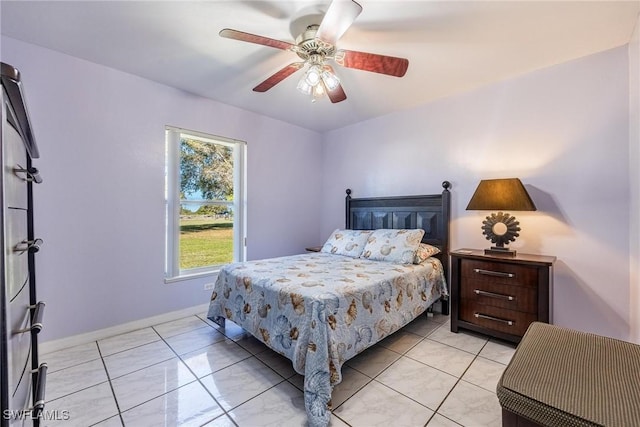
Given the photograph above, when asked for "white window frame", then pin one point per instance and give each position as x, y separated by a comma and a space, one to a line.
173, 202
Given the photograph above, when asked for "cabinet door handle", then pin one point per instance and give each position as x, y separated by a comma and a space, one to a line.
32, 174
494, 295
495, 319
33, 246
494, 273
36, 320
41, 382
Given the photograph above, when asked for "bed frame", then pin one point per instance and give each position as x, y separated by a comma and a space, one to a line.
430, 212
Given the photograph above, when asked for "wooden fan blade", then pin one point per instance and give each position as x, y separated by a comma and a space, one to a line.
336, 95
252, 38
337, 20
278, 77
375, 63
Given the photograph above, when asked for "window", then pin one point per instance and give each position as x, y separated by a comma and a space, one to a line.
204, 198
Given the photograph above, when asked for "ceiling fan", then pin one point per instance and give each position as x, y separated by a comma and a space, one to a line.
316, 46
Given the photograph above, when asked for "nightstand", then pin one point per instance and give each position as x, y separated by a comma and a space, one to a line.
500, 296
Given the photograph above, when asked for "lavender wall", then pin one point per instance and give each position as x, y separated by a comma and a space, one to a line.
562, 130
100, 210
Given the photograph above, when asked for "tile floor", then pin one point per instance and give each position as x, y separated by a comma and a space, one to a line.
191, 372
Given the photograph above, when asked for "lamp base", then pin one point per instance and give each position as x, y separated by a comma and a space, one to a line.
500, 251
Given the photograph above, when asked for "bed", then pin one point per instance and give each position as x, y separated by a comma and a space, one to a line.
321, 309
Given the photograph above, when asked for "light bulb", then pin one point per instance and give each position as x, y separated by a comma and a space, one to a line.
318, 90
313, 75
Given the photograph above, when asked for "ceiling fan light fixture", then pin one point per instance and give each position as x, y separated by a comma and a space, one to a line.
331, 81
313, 75
318, 91
316, 44
304, 87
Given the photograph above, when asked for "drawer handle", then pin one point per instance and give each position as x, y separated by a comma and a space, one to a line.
494, 295
495, 319
32, 174
493, 273
33, 246
36, 320
41, 383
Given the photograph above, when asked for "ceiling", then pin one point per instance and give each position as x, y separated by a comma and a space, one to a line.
452, 46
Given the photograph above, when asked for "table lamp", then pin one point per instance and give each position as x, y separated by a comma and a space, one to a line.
501, 195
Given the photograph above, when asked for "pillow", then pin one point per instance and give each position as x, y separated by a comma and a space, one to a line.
423, 252
346, 242
393, 245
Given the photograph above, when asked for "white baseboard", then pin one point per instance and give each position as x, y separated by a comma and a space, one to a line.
59, 344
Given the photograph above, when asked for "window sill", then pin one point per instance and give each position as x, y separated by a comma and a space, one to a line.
189, 276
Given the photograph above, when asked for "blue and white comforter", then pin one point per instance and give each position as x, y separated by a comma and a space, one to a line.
319, 310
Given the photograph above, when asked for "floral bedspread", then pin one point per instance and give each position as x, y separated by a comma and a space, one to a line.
319, 310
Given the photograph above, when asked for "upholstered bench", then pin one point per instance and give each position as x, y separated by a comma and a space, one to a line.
561, 377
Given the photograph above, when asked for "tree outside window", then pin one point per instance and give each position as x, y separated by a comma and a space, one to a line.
204, 179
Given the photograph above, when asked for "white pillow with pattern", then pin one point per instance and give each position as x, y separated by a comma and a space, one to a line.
425, 252
393, 245
346, 242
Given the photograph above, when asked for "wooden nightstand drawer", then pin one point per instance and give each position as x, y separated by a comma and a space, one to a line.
496, 318
518, 298
500, 296
499, 272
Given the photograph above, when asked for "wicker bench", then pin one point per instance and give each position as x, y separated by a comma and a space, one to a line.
564, 378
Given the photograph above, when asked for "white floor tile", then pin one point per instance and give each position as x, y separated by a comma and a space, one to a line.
127, 341
471, 405
203, 317
422, 383
282, 405
380, 387
373, 360
84, 408
75, 378
422, 326
501, 352
440, 421
378, 405
195, 339
277, 362
352, 381
440, 356
298, 380
70, 356
250, 343
111, 422
221, 421
240, 382
463, 340
440, 318
187, 406
128, 361
148, 383
214, 357
400, 341
176, 327
231, 330
337, 422
484, 373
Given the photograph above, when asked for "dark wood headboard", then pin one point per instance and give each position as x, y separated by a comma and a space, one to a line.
430, 212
